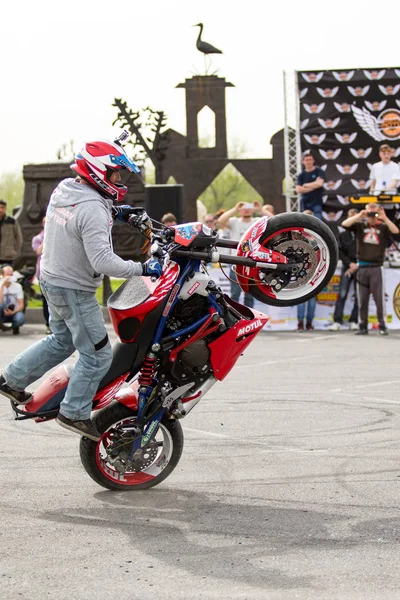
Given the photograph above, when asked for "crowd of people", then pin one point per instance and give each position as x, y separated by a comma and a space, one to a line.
363, 238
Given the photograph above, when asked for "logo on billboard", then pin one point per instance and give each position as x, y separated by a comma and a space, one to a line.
384, 127
396, 300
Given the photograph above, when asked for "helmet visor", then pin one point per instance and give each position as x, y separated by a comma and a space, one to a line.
123, 162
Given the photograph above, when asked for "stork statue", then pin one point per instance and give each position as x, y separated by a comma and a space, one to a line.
205, 48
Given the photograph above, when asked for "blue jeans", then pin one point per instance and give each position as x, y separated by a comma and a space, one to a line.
345, 283
76, 322
17, 320
236, 290
316, 208
311, 306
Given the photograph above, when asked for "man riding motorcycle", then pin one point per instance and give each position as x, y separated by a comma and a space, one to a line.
77, 253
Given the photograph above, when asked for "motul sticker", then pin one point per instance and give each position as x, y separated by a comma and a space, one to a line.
250, 327
193, 288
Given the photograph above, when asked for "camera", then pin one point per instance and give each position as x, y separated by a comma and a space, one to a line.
372, 213
11, 306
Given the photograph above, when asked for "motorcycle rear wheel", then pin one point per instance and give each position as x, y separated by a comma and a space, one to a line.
317, 239
94, 458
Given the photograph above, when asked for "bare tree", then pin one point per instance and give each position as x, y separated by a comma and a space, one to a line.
149, 138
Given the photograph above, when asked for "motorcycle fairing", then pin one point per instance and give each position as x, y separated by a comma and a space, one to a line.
226, 349
185, 234
135, 300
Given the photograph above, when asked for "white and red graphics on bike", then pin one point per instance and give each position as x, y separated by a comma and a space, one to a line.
250, 247
309, 250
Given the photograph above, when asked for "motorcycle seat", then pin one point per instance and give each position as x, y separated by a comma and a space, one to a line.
130, 294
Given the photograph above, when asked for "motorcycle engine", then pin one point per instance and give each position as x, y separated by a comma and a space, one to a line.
192, 362
186, 311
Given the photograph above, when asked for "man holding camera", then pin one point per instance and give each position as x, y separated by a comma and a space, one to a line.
237, 228
11, 301
372, 228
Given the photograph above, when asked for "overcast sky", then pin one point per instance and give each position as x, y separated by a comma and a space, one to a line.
62, 63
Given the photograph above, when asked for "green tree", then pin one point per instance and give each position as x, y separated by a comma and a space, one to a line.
12, 189
229, 187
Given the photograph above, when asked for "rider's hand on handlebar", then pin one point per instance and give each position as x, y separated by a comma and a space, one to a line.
124, 212
152, 268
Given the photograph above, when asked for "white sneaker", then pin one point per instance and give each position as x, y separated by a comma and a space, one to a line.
335, 327
353, 326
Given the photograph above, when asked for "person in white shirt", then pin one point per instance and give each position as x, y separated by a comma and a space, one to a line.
237, 227
11, 301
385, 175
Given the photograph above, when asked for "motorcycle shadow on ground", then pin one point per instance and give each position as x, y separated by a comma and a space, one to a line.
209, 536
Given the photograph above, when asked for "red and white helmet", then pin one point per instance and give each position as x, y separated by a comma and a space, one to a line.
96, 162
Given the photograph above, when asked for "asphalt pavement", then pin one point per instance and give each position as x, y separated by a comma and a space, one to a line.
288, 488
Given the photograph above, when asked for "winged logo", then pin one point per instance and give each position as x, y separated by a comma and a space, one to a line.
328, 92
361, 152
346, 138
329, 123
368, 123
323, 167
361, 184
303, 92
324, 199
333, 185
374, 75
342, 199
304, 123
330, 154
336, 217
343, 75
315, 139
343, 107
314, 108
358, 91
312, 77
376, 105
397, 71
347, 169
389, 90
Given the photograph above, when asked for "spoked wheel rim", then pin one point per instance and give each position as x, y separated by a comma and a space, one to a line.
303, 241
161, 459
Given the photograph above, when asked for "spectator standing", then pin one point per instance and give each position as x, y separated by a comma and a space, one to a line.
372, 228
37, 247
237, 228
10, 236
11, 301
169, 220
209, 220
268, 210
307, 309
348, 256
385, 175
310, 186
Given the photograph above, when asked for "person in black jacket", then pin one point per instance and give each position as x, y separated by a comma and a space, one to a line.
348, 256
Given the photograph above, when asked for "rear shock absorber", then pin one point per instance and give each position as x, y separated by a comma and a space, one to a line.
147, 371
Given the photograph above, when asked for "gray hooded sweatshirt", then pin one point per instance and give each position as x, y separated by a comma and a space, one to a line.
77, 247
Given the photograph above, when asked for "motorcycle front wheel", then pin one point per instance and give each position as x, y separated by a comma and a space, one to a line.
159, 459
305, 239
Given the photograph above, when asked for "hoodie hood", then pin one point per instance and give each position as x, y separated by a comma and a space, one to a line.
71, 192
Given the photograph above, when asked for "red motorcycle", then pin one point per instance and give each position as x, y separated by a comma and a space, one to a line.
181, 334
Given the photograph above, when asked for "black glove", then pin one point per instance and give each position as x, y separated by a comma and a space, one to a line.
123, 212
152, 268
